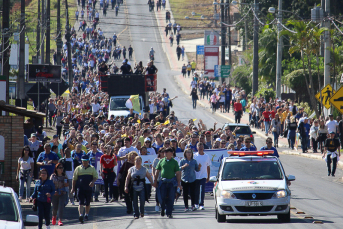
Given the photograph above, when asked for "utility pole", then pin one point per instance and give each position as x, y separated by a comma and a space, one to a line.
215, 13
279, 52
47, 60
59, 40
223, 34
21, 76
38, 33
42, 34
67, 37
5, 43
327, 45
229, 30
255, 60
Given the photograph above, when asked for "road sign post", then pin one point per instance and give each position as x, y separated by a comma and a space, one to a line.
225, 71
327, 93
337, 100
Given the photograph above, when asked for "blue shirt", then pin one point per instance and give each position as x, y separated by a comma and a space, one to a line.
251, 148
193, 147
275, 151
47, 157
78, 156
178, 150
41, 190
157, 146
92, 157
188, 173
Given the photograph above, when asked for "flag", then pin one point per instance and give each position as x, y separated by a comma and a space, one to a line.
133, 103
194, 120
166, 122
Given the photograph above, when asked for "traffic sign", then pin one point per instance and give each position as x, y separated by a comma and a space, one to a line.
225, 71
327, 93
337, 100
216, 70
44, 93
58, 88
200, 49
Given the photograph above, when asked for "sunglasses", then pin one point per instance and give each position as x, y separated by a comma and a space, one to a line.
60, 167
269, 142
26, 149
223, 143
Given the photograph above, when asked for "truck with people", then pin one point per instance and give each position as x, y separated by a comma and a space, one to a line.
120, 87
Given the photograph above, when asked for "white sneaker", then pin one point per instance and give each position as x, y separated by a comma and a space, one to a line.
73, 203
196, 206
47, 227
157, 208
201, 208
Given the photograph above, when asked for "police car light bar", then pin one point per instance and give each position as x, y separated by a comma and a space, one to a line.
251, 153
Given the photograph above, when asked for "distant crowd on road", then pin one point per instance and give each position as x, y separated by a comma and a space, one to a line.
279, 118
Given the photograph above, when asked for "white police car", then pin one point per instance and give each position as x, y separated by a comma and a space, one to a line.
252, 183
10, 211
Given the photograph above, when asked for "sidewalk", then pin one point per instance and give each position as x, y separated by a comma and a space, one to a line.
184, 84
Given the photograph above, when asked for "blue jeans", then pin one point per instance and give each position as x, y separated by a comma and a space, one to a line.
200, 191
141, 195
44, 209
167, 190
266, 126
276, 137
21, 187
194, 103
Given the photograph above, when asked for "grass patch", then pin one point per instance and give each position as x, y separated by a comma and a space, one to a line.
32, 21
182, 8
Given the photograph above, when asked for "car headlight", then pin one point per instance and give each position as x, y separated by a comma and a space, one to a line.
280, 194
227, 195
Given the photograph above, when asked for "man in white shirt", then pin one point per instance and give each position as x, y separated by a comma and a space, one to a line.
202, 177
331, 124
95, 107
127, 148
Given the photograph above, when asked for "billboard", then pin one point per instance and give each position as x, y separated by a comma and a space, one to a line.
211, 38
44, 73
211, 58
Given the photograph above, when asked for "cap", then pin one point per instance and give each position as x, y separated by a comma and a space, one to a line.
55, 136
102, 132
147, 140
207, 132
332, 132
330, 115
218, 139
173, 140
33, 135
85, 158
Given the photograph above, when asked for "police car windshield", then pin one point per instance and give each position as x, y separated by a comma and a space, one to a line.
8, 210
252, 170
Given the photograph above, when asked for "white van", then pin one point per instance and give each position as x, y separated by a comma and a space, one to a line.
117, 106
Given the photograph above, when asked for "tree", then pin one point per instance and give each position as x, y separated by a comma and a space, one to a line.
242, 77
267, 54
303, 40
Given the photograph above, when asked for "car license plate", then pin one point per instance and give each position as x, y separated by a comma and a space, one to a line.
253, 203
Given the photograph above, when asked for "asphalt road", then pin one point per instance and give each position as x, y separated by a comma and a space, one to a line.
314, 193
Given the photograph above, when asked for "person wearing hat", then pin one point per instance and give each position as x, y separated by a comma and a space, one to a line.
208, 139
85, 175
147, 144
331, 147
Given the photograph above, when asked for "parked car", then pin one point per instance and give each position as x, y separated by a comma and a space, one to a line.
10, 211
